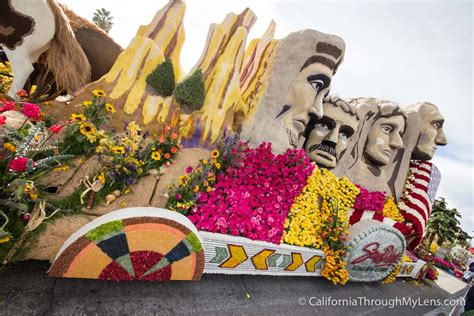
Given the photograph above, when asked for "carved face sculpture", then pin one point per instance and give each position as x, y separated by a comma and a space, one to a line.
308, 89
385, 136
431, 134
327, 137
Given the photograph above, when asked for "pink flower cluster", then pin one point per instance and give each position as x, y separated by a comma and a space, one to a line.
253, 199
371, 201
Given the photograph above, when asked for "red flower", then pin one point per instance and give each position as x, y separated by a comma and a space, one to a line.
167, 156
7, 106
19, 164
189, 169
31, 110
22, 93
56, 128
3, 119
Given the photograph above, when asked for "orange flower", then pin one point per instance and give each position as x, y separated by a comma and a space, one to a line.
174, 150
167, 156
174, 136
162, 139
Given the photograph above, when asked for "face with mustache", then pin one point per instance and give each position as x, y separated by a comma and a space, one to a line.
384, 137
329, 137
305, 97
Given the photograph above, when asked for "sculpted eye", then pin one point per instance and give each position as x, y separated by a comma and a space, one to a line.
322, 125
317, 84
437, 125
343, 135
387, 129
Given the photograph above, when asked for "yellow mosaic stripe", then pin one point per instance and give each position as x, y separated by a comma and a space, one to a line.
296, 261
260, 259
237, 256
311, 263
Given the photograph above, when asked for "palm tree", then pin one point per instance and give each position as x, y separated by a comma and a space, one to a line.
443, 222
103, 19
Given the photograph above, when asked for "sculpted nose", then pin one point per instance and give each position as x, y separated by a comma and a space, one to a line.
332, 136
396, 141
317, 107
440, 139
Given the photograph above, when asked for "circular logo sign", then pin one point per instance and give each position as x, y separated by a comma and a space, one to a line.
374, 250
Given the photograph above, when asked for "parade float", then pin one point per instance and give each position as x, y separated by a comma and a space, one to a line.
244, 165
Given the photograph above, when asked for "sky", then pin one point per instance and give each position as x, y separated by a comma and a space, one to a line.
403, 51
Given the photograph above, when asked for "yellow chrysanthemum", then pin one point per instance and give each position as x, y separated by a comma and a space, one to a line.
110, 107
215, 153
77, 117
99, 93
87, 103
196, 188
10, 147
218, 165
156, 156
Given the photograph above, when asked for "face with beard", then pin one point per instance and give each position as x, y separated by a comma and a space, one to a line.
327, 139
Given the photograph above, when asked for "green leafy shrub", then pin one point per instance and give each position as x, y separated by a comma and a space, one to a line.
162, 78
190, 91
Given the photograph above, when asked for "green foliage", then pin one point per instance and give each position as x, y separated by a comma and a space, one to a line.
190, 91
103, 19
444, 222
162, 78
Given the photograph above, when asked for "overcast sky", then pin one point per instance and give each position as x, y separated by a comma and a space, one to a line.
397, 50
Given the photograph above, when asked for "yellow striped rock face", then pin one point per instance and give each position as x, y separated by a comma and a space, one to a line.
245, 85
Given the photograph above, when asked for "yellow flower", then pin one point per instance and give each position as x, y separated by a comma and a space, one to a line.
61, 168
133, 128
101, 177
87, 103
127, 191
209, 189
99, 93
77, 117
10, 147
4, 239
196, 188
118, 150
215, 153
218, 165
99, 149
109, 107
87, 129
33, 194
156, 156
183, 180
204, 162
33, 89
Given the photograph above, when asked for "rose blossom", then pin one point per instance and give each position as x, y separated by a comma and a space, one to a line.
19, 164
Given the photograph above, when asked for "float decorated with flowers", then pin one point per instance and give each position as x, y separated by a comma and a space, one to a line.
247, 165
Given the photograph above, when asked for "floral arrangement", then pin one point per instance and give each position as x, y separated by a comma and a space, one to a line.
196, 185
28, 151
127, 157
253, 199
6, 77
83, 131
318, 219
392, 211
372, 201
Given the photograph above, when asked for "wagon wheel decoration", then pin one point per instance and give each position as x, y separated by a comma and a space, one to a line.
146, 244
